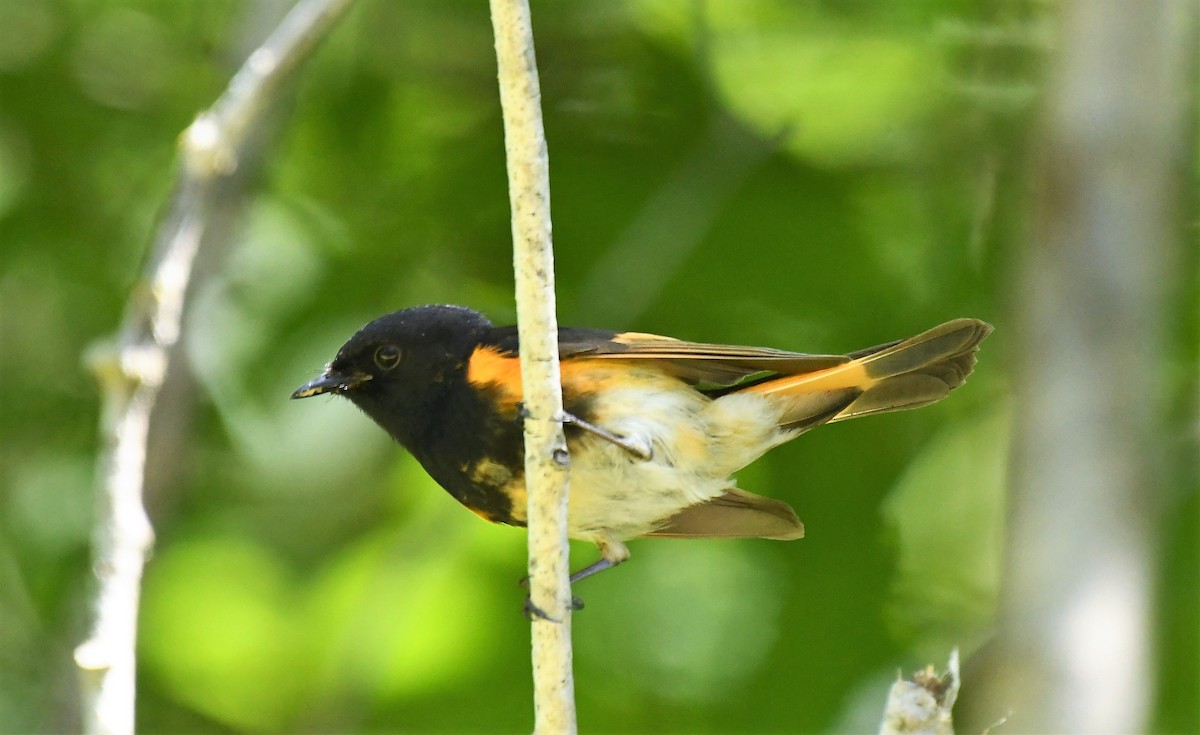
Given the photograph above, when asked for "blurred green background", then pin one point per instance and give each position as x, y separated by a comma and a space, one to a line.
818, 176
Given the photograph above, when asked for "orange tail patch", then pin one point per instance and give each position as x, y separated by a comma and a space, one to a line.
892, 377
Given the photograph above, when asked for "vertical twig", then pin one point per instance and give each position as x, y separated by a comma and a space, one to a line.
214, 152
545, 448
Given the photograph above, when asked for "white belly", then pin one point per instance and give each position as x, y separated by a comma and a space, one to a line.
697, 444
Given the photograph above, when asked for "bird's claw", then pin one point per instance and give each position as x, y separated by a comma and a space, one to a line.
532, 611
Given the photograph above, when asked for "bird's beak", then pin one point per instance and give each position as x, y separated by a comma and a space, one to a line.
331, 381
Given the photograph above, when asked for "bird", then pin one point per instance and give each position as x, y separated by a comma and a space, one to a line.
656, 427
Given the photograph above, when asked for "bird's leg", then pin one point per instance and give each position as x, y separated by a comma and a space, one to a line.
612, 553
599, 566
635, 445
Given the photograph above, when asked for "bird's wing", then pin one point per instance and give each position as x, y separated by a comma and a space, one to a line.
708, 367
721, 368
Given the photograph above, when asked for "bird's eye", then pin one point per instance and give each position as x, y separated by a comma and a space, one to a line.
387, 357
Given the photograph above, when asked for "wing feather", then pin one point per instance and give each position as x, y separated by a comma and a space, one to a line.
736, 514
707, 366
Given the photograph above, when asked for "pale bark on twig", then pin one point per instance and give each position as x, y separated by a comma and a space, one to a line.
131, 370
545, 448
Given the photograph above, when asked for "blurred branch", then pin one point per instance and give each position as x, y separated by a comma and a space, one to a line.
922, 705
545, 447
1074, 650
216, 151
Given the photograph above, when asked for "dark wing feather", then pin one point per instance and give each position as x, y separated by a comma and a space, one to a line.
736, 514
706, 366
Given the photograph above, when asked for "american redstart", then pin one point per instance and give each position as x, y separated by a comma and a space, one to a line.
655, 426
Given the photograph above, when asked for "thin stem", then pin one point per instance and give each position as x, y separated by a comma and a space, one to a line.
215, 150
545, 447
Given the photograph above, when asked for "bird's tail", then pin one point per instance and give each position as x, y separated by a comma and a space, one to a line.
899, 375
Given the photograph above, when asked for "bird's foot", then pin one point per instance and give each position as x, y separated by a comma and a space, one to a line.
532, 611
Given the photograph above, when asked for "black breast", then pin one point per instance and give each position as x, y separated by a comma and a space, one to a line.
474, 450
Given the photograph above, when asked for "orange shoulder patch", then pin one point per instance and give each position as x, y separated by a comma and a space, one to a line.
488, 366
